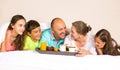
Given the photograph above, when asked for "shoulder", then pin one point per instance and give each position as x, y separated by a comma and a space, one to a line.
47, 31
90, 40
46, 34
68, 38
28, 42
90, 37
8, 32
28, 39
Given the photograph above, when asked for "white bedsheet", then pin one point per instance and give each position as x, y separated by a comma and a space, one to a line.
32, 60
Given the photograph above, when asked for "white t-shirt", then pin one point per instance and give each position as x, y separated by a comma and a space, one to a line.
90, 45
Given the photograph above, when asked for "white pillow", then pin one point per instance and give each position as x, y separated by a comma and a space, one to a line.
44, 26
3, 28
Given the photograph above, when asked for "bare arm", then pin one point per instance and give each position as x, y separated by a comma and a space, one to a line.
3, 48
99, 51
83, 52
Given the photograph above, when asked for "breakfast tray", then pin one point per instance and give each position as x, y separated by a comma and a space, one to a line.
56, 53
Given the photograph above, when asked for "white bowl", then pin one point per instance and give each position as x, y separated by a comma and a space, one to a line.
72, 49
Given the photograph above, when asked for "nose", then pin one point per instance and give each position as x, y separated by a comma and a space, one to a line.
23, 29
64, 31
96, 43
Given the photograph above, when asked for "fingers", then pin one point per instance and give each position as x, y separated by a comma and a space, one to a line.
82, 53
78, 55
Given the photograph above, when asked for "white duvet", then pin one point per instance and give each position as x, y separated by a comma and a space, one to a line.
32, 60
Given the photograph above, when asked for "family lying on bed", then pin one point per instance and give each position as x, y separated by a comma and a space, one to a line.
28, 36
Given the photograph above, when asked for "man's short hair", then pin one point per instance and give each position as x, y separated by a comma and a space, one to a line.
52, 22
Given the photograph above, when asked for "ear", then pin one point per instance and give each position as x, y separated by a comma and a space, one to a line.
104, 43
52, 30
29, 33
12, 26
80, 35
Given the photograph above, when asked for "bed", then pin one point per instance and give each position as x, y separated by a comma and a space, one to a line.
33, 60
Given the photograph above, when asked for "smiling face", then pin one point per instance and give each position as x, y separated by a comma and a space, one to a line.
99, 43
19, 26
79, 38
59, 29
74, 34
35, 34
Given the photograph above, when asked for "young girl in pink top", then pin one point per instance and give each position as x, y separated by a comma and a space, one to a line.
14, 34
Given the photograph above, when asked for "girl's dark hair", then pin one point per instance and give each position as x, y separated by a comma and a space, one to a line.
111, 46
81, 27
32, 24
14, 20
19, 41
